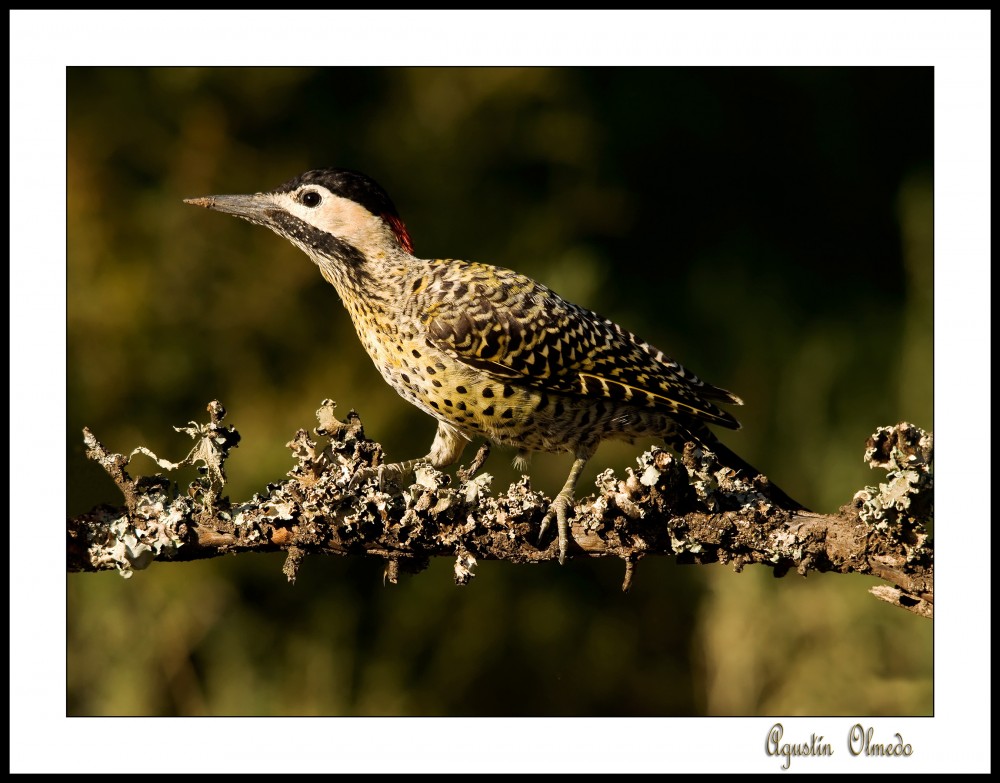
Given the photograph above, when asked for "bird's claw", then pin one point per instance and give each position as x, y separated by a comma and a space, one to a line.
360, 477
558, 509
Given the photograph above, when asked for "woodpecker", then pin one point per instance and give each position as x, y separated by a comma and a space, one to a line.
484, 350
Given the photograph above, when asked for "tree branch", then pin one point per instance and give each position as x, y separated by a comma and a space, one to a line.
689, 507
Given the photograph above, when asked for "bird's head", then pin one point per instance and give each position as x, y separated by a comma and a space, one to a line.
336, 216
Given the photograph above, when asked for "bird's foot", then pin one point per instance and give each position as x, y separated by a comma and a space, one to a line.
559, 509
395, 473
466, 473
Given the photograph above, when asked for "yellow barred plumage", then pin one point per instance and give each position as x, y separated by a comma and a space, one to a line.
483, 349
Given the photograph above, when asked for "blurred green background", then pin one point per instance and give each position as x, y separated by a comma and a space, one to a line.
769, 228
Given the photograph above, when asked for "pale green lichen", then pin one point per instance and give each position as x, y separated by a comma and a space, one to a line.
902, 502
902, 506
464, 563
787, 544
130, 548
650, 476
477, 488
211, 449
680, 545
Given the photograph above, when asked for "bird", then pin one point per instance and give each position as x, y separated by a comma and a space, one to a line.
486, 351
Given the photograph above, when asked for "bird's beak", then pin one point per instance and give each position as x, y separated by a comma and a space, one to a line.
254, 207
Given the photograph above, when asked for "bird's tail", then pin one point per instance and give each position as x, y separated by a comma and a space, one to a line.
730, 459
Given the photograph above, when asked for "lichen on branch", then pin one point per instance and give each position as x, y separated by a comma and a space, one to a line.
337, 501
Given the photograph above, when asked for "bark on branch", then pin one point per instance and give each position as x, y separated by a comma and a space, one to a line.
690, 508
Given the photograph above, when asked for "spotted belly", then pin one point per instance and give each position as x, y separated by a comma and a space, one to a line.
505, 412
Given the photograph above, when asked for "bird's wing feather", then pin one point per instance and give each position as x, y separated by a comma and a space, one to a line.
515, 329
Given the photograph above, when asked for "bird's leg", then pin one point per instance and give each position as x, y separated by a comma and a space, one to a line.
446, 449
563, 503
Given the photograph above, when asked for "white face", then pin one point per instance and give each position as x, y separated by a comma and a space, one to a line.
345, 219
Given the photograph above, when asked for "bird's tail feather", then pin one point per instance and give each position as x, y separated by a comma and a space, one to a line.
730, 459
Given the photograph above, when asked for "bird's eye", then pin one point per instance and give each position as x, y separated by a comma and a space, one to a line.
311, 198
